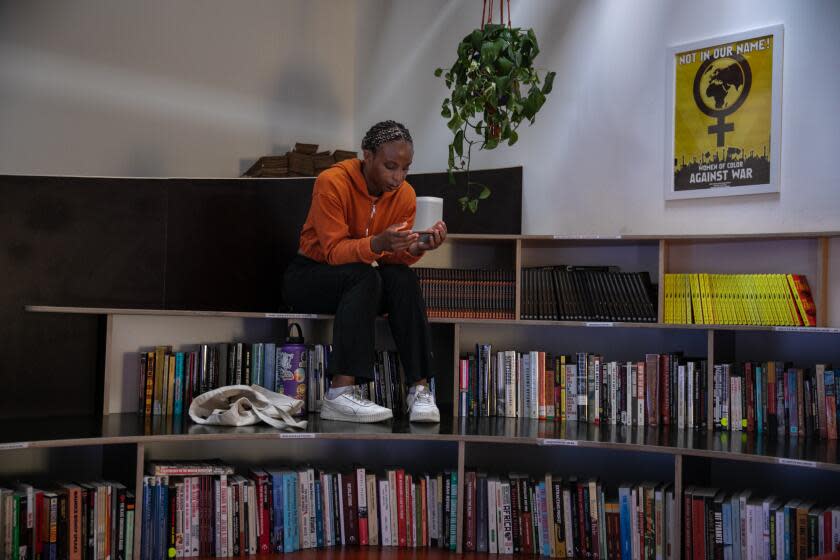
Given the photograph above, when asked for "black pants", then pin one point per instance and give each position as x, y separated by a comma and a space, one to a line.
356, 293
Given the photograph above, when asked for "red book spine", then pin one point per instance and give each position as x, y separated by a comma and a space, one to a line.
424, 521
698, 516
409, 511
687, 506
527, 517
652, 382
401, 507
38, 526
665, 389
749, 375
582, 520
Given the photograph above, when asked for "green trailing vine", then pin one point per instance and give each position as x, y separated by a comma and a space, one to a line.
494, 87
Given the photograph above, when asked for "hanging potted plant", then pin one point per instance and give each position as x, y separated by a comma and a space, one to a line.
494, 88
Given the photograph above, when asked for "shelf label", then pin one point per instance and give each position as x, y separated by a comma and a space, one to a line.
567, 442
295, 435
798, 463
18, 445
599, 324
585, 237
292, 316
807, 329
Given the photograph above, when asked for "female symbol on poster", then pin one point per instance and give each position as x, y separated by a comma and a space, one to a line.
724, 119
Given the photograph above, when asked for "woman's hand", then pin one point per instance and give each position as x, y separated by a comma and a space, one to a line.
436, 237
394, 239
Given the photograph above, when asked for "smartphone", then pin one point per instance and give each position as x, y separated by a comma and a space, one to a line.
425, 237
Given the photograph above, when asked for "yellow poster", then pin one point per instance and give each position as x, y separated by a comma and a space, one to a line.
723, 114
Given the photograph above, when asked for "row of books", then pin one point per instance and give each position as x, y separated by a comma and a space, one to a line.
668, 389
388, 387
67, 521
468, 293
777, 398
587, 293
744, 525
168, 381
739, 299
206, 509
568, 518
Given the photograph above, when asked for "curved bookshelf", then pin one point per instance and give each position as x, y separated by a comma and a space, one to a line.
694, 456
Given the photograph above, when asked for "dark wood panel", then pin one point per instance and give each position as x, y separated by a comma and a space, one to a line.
72, 241
210, 244
500, 213
229, 242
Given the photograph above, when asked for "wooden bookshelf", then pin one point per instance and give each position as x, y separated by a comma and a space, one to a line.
687, 456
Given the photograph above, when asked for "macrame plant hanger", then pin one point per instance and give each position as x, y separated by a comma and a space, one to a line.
487, 11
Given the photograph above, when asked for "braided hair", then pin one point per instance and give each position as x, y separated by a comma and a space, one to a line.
385, 131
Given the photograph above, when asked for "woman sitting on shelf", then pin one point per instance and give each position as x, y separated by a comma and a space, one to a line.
361, 214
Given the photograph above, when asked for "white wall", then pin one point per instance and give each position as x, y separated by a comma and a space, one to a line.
162, 88
188, 88
594, 160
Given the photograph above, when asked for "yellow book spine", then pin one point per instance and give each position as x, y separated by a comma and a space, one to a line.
750, 294
737, 299
708, 299
687, 299
755, 283
739, 308
713, 290
775, 317
754, 310
720, 291
696, 304
784, 295
790, 310
732, 294
765, 308
669, 308
723, 298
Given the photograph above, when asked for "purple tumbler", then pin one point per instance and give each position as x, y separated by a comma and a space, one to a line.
291, 365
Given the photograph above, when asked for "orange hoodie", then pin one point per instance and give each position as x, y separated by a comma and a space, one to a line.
343, 217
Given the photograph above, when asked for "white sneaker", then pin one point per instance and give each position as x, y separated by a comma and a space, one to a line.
421, 406
351, 407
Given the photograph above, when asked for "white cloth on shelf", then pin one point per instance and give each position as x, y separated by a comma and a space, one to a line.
244, 405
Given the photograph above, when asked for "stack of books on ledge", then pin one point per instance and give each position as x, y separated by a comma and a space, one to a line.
467, 293
739, 299
568, 517
772, 397
587, 293
206, 509
667, 389
170, 380
746, 525
66, 521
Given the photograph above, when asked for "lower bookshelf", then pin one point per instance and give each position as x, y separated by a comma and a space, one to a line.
119, 447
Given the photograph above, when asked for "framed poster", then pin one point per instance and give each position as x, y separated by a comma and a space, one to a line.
724, 115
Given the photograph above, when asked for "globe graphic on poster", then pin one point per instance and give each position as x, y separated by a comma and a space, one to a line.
722, 84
